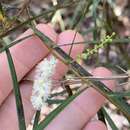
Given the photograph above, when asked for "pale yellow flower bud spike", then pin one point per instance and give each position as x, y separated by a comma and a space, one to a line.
103, 43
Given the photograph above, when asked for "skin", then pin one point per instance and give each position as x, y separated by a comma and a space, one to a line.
76, 116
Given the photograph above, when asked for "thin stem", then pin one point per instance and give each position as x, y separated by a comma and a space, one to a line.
63, 92
122, 40
72, 43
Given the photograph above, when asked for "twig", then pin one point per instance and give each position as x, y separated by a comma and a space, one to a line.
81, 72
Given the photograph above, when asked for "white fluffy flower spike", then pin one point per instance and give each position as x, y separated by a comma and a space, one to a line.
43, 82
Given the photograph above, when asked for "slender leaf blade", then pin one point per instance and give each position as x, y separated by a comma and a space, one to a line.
18, 99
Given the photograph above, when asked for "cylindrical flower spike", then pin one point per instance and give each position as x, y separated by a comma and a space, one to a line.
43, 82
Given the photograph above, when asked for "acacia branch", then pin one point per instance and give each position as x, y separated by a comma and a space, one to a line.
119, 102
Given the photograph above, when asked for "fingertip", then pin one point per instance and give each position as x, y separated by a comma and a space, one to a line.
33, 48
95, 125
70, 36
104, 72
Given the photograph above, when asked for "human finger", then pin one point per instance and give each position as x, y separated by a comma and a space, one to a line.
95, 125
25, 55
83, 108
8, 109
